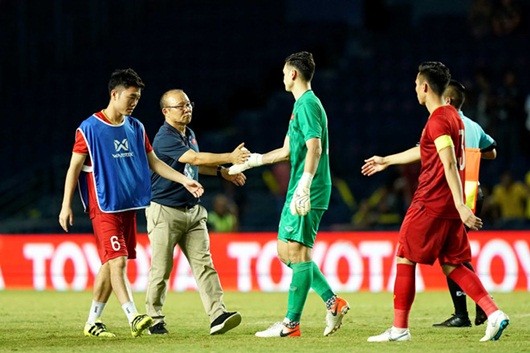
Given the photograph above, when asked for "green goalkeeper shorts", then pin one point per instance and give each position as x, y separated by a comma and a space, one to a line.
301, 229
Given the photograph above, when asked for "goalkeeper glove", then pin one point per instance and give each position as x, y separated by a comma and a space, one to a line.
301, 201
254, 160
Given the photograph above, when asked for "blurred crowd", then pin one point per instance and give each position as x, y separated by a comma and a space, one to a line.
496, 100
360, 78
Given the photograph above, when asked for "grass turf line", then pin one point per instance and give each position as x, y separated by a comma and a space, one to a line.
53, 322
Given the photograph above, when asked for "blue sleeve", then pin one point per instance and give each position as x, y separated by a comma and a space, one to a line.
486, 142
169, 149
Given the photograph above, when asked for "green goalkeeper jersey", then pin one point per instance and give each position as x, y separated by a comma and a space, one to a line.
309, 121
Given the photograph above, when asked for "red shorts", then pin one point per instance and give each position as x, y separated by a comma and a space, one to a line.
115, 234
424, 238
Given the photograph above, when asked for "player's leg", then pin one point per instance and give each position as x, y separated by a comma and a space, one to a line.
414, 247
336, 306
94, 327
469, 281
195, 245
298, 257
404, 293
457, 251
302, 266
120, 244
163, 228
480, 315
102, 290
460, 317
296, 237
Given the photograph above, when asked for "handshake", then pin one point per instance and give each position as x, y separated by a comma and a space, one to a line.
254, 160
301, 200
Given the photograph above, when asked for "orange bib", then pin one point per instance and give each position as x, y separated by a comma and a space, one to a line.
473, 156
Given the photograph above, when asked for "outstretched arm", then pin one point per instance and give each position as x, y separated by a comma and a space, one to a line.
239, 155
256, 159
376, 164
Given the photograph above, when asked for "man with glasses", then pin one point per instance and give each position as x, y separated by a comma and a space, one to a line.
175, 218
110, 162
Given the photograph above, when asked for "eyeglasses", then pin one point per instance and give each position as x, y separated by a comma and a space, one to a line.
183, 106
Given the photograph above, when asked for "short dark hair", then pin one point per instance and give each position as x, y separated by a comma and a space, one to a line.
303, 62
126, 78
436, 74
456, 92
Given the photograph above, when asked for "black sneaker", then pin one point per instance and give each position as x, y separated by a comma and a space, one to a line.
225, 322
158, 329
455, 321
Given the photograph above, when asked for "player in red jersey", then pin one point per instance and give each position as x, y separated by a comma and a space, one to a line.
433, 227
111, 162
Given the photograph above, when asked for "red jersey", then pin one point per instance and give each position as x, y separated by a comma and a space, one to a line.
433, 190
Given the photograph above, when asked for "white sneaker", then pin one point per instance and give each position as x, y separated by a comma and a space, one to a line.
335, 314
497, 322
391, 335
279, 329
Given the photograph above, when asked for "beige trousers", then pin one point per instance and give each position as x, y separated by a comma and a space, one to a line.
185, 227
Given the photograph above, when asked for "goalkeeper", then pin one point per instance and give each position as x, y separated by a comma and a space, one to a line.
309, 190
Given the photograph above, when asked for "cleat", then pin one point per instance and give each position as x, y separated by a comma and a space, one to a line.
140, 323
480, 316
158, 329
335, 314
280, 329
391, 335
97, 329
497, 322
455, 321
225, 322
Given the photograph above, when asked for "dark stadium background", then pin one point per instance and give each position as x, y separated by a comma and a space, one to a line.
56, 57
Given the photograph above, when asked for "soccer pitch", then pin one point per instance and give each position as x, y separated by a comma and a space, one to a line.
53, 322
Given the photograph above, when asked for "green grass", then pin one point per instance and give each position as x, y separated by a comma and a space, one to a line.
53, 322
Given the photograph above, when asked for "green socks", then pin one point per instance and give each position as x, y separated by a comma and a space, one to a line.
320, 284
299, 288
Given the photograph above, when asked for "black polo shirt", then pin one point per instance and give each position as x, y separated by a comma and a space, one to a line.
169, 145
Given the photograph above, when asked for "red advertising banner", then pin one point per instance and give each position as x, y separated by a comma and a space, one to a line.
351, 261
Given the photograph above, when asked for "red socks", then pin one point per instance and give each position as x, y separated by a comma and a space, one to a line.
471, 285
404, 292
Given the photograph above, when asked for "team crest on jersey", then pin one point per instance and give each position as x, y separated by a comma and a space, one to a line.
121, 146
122, 149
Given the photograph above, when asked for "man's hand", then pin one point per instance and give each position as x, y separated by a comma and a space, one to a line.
373, 165
194, 187
239, 155
254, 160
66, 218
468, 217
301, 201
237, 179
